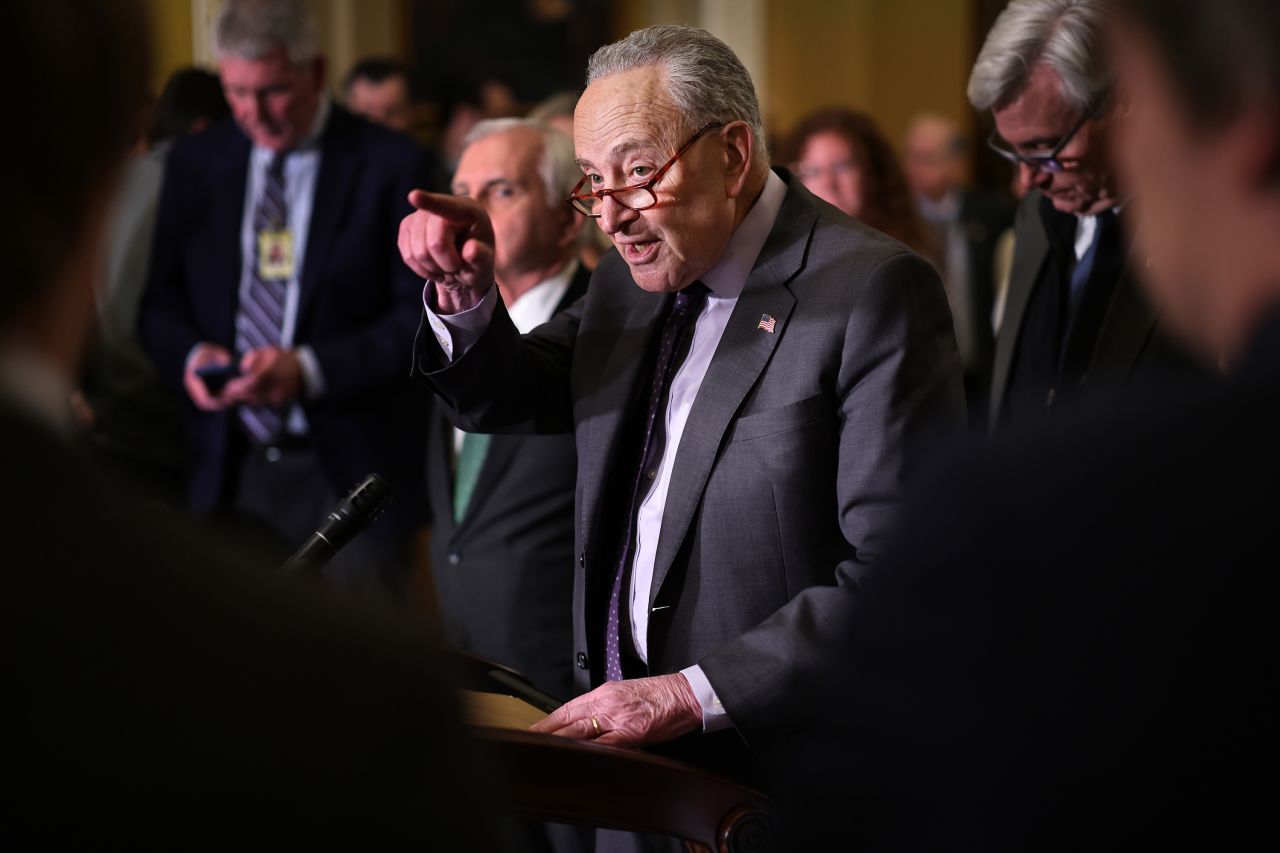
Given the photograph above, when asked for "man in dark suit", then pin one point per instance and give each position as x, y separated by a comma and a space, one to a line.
502, 540
1074, 320
1095, 668
750, 379
159, 691
966, 225
273, 255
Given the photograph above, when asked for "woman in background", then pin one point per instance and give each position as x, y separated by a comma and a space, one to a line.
842, 157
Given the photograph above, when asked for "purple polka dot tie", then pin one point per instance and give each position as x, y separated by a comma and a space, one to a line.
676, 333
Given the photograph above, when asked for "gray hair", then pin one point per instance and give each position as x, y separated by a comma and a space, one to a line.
1066, 35
250, 29
704, 78
559, 170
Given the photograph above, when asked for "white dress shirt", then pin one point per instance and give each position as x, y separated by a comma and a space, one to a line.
725, 282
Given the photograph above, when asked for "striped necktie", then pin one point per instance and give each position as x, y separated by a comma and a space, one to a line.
260, 320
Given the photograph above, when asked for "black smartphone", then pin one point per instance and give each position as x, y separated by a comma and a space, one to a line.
216, 376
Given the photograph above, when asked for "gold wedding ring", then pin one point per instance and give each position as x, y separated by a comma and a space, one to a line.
595, 724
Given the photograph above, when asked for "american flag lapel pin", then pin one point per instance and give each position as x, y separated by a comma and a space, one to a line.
767, 323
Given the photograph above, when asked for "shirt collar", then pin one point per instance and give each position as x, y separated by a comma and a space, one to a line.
944, 209
729, 275
537, 304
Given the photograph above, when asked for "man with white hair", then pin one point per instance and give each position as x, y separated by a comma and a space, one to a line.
275, 304
750, 379
1075, 320
502, 505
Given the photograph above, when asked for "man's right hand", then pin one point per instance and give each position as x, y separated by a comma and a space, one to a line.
202, 356
449, 240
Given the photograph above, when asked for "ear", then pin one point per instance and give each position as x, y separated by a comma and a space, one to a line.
739, 151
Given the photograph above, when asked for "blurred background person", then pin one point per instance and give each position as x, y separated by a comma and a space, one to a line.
841, 157
157, 687
557, 111
378, 89
1074, 320
966, 226
134, 421
502, 541
271, 268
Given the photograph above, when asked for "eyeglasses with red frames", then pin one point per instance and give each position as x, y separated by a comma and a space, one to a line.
636, 196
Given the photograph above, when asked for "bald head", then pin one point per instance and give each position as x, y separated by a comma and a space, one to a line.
934, 156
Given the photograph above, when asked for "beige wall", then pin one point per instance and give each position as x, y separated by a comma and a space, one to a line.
890, 58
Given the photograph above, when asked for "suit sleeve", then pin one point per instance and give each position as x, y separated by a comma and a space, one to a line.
900, 385
505, 383
166, 327
375, 355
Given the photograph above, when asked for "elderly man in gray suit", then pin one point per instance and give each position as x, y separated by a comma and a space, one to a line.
750, 379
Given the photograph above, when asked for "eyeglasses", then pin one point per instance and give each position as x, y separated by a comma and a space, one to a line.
636, 196
1051, 161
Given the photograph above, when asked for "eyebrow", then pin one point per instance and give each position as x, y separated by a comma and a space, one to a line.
620, 150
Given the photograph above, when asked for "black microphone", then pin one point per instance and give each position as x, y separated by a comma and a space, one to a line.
342, 525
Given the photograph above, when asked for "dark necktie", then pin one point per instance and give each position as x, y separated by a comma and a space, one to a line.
260, 320
677, 332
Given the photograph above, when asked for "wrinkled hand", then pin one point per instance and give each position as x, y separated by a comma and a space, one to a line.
201, 356
270, 376
449, 240
636, 712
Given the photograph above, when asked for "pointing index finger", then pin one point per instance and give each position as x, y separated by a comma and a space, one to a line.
459, 211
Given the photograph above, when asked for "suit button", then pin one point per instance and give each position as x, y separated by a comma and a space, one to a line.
273, 454
455, 558
582, 560
582, 660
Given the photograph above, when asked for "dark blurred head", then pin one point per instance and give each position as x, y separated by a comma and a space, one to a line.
1200, 145
83, 66
191, 101
842, 157
378, 89
934, 156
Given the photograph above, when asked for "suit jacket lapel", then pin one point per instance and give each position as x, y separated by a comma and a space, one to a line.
228, 216
502, 450
340, 164
740, 358
1029, 259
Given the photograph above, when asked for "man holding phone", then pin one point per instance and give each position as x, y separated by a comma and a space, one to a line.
278, 305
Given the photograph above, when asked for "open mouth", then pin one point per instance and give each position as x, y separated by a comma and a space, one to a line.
639, 253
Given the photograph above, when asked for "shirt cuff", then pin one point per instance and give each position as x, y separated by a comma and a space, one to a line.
714, 716
312, 375
457, 333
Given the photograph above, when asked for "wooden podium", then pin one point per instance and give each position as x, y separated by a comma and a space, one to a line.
559, 780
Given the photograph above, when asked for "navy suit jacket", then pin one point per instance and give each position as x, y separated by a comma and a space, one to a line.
358, 308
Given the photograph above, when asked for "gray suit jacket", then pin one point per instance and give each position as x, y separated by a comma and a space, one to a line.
794, 454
